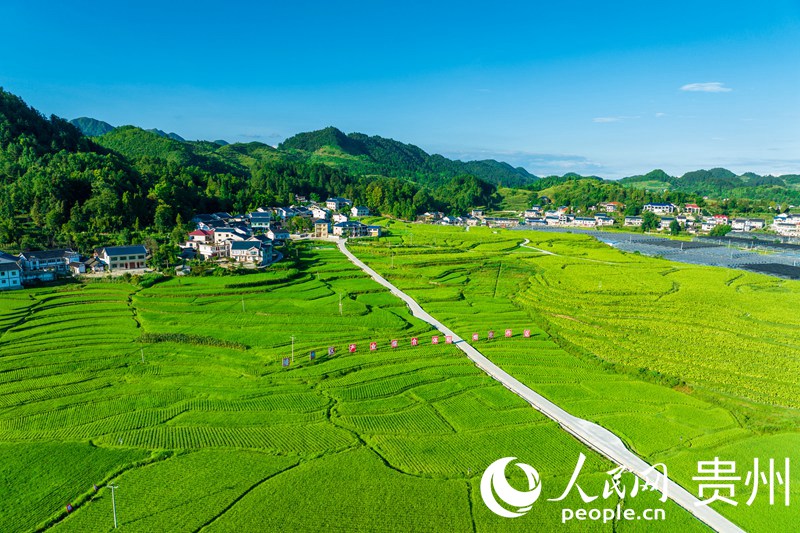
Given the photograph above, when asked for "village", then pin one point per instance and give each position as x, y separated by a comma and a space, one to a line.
247, 240
608, 214
252, 240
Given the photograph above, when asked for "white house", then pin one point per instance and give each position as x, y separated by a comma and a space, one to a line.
665, 222
124, 257
246, 252
633, 221
320, 212
660, 209
603, 220
222, 235
338, 218
260, 220
55, 260
278, 234
612, 207
359, 211
337, 203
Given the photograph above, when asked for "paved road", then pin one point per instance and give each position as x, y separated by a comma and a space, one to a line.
591, 434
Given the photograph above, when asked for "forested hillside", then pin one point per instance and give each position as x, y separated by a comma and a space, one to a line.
722, 183
60, 187
378, 155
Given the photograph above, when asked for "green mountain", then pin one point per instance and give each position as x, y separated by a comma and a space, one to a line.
174, 136
59, 187
378, 155
91, 127
135, 143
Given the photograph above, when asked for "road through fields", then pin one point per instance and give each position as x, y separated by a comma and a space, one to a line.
596, 437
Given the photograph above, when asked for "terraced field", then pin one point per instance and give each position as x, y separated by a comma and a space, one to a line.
176, 394
685, 363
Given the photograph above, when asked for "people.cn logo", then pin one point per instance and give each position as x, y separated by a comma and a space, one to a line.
494, 482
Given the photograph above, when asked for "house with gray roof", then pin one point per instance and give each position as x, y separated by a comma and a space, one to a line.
124, 257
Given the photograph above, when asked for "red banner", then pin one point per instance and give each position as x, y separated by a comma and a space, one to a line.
352, 348
526, 333
394, 343
435, 339
373, 346
491, 335
474, 336
508, 333
448, 339
414, 341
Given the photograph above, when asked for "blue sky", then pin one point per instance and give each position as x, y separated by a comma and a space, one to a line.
611, 88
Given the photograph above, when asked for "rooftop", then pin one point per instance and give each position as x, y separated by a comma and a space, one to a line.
125, 250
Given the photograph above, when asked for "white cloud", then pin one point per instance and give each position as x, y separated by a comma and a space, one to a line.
606, 120
707, 87
659, 115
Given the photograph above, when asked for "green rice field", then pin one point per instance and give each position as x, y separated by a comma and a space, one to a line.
176, 394
685, 363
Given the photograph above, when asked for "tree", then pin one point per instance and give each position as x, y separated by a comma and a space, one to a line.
720, 230
674, 227
649, 221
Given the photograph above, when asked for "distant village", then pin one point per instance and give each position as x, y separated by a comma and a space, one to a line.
246, 239
251, 239
689, 216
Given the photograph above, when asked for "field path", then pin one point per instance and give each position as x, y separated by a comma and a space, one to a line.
525, 245
596, 437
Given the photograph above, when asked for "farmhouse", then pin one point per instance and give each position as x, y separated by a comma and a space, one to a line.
280, 235
633, 221
124, 257
10, 275
355, 229
320, 212
612, 207
322, 229
660, 209
48, 260
501, 222
336, 203
247, 252
222, 235
95, 264
665, 222
259, 220
359, 211
692, 208
535, 222
603, 220
199, 236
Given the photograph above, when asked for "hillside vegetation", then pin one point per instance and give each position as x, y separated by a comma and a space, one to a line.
62, 188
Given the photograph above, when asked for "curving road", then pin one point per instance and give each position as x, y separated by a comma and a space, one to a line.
596, 437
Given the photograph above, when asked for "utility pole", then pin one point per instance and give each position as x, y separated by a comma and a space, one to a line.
340, 304
113, 504
142, 349
242, 303
292, 348
392, 259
